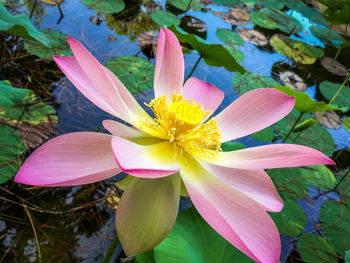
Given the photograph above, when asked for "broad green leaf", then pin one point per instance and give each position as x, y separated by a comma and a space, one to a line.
334, 3
232, 146
291, 220
275, 19
319, 176
338, 16
327, 36
303, 102
299, 51
264, 135
135, 73
21, 26
347, 256
213, 54
229, 37
10, 95
147, 257
335, 225
195, 5
193, 240
316, 137
12, 146
314, 248
164, 18
329, 89
237, 54
343, 189
289, 183
229, 3
304, 125
243, 83
105, 6
277, 4
58, 41
346, 123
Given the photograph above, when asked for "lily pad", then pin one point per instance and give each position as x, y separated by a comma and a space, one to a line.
236, 17
184, 5
329, 89
237, 54
148, 43
346, 123
319, 176
164, 18
232, 146
105, 6
327, 36
343, 188
134, 72
335, 225
316, 137
275, 19
252, 36
291, 220
277, 4
243, 83
58, 41
213, 54
347, 256
333, 66
229, 3
12, 147
264, 135
299, 51
9, 95
314, 248
229, 37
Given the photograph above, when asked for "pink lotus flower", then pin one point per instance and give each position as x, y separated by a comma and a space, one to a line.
178, 149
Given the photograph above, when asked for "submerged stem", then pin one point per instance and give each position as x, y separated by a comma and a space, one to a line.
194, 67
35, 234
111, 250
295, 124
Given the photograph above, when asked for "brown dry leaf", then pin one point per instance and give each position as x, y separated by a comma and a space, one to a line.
148, 43
330, 119
236, 17
52, 2
333, 66
341, 29
289, 78
252, 36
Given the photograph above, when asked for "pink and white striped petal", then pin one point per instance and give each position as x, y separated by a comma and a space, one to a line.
121, 130
148, 161
170, 68
271, 156
256, 184
70, 159
252, 112
236, 217
204, 93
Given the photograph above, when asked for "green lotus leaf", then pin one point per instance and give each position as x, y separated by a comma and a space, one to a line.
237, 54
243, 83
327, 36
164, 18
315, 248
343, 188
213, 54
346, 123
338, 16
335, 225
229, 3
264, 135
229, 37
134, 72
147, 257
299, 51
329, 89
347, 256
232, 146
105, 6
273, 3
10, 95
195, 5
319, 176
275, 19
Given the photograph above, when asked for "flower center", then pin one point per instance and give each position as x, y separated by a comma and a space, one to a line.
181, 124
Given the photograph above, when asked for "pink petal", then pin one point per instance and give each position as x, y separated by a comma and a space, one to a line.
70, 159
253, 111
149, 161
203, 92
121, 130
271, 156
169, 71
239, 219
255, 184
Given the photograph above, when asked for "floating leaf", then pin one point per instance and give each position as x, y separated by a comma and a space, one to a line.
304, 125
264, 135
329, 89
299, 51
275, 19
243, 83
327, 36
229, 37
229, 3
164, 18
319, 176
343, 188
346, 123
236, 17
335, 225
232, 146
291, 220
330, 119
105, 6
316, 137
184, 5
134, 72
237, 54
252, 36
277, 4
11, 149
10, 95
333, 66
193, 240
314, 248
213, 54
58, 41
291, 79
347, 256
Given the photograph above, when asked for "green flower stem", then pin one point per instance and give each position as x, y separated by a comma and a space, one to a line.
340, 48
295, 124
188, 6
193, 69
111, 250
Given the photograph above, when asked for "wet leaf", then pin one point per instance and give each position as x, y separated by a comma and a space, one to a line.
105, 6
58, 41
329, 89
299, 51
134, 72
264, 135
164, 18
229, 37
291, 220
327, 36
232, 146
346, 123
243, 83
195, 5
319, 176
193, 240
314, 248
213, 54
335, 225
11, 148
316, 137
275, 19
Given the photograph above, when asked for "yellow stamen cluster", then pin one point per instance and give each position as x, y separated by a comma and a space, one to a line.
181, 124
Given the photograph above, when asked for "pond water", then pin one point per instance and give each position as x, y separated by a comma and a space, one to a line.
73, 224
